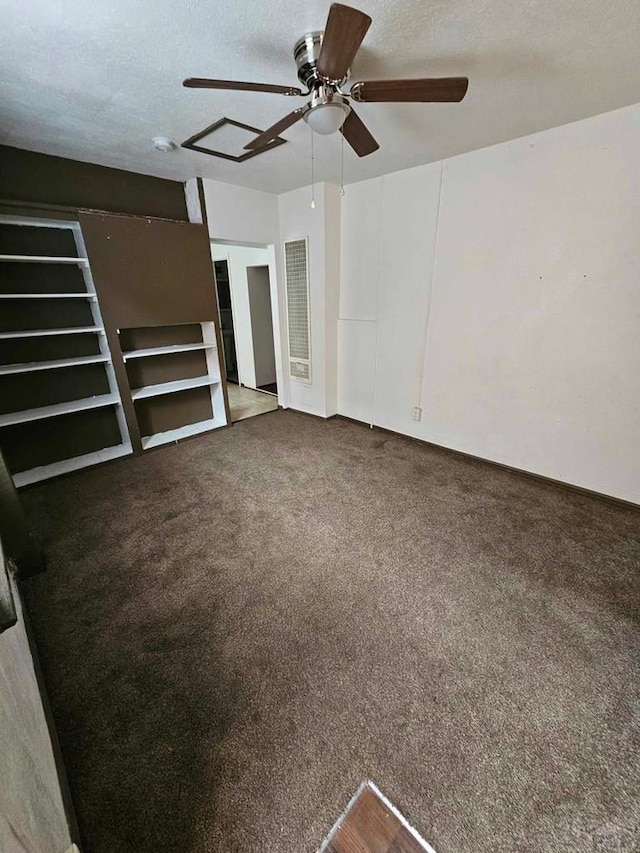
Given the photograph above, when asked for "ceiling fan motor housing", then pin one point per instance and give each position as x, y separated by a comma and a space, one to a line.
306, 53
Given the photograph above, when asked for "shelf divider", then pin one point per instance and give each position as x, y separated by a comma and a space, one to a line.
40, 333
159, 438
68, 408
31, 366
43, 259
165, 350
82, 295
64, 466
172, 387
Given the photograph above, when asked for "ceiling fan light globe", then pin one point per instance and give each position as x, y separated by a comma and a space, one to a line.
327, 118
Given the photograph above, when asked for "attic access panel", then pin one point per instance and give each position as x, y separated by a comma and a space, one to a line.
231, 136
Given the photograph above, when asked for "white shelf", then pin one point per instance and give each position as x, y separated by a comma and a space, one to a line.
167, 350
172, 387
90, 296
43, 472
171, 435
28, 415
31, 366
43, 259
40, 333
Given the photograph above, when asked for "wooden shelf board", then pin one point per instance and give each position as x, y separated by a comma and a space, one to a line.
44, 472
172, 387
150, 441
166, 350
83, 295
31, 366
43, 259
68, 408
39, 333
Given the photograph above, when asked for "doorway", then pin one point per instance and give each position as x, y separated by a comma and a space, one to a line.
247, 295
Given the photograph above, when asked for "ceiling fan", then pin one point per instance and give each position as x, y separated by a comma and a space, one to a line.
323, 60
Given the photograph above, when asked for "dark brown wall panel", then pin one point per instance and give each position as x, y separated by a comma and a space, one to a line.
26, 446
171, 411
166, 368
49, 348
27, 314
18, 541
160, 336
40, 278
26, 176
50, 242
19, 391
150, 272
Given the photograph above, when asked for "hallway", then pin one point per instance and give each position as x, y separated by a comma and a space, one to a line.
246, 403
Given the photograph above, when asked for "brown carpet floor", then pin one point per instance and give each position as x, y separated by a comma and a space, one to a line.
238, 630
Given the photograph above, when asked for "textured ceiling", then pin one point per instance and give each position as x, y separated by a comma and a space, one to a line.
97, 79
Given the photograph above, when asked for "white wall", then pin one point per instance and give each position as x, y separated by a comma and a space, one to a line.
333, 216
322, 227
240, 215
499, 291
243, 216
31, 807
387, 257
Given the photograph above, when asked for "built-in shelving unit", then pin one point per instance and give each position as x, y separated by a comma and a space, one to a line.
60, 407
174, 376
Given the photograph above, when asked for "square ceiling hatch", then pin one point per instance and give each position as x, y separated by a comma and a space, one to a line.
226, 138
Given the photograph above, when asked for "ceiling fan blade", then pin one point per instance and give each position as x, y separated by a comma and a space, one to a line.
276, 129
343, 35
355, 132
205, 83
443, 89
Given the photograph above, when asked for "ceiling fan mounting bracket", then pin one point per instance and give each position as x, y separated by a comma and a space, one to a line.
355, 92
306, 53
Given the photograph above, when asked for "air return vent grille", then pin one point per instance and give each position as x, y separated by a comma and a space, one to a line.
297, 278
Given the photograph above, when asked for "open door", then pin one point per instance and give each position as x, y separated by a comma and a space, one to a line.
264, 355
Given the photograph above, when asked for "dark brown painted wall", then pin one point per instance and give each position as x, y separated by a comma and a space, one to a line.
18, 542
148, 272
40, 179
151, 273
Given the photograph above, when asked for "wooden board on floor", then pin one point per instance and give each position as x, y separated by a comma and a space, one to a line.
371, 825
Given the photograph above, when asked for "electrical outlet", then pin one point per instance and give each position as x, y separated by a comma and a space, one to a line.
416, 413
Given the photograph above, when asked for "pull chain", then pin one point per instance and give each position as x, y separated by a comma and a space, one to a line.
313, 189
342, 165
